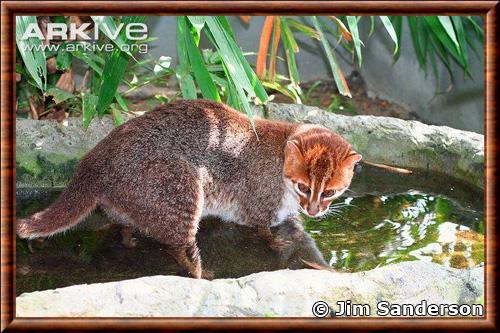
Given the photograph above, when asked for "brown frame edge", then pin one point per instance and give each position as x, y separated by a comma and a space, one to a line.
10, 8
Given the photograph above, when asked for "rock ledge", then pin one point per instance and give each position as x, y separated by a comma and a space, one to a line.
285, 293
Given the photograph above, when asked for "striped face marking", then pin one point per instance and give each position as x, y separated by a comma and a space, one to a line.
315, 200
320, 166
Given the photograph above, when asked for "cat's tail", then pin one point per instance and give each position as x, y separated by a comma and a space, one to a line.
72, 206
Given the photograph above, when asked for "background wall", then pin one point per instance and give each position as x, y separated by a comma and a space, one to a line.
435, 99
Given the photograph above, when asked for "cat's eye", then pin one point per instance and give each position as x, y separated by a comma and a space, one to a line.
328, 193
303, 188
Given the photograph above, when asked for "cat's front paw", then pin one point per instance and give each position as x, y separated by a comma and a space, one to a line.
129, 243
207, 275
278, 244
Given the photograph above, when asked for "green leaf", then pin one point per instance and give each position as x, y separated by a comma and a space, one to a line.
242, 100
114, 70
285, 90
477, 28
372, 26
58, 95
121, 102
352, 22
198, 22
235, 63
162, 64
108, 27
89, 103
117, 116
397, 22
390, 30
443, 40
337, 74
416, 35
442, 54
63, 60
306, 30
186, 81
226, 26
201, 74
31, 51
461, 37
448, 27
291, 47
92, 60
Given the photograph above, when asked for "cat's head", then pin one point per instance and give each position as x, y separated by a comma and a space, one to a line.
319, 166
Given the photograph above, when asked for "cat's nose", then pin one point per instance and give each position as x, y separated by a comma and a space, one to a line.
312, 210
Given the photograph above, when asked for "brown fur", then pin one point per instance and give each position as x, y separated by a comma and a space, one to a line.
162, 172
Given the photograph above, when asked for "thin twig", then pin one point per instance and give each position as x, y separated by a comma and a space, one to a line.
389, 168
34, 111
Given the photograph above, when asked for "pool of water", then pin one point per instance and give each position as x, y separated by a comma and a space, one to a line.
385, 218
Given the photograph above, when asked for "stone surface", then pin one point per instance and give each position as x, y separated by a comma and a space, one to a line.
403, 143
278, 293
47, 152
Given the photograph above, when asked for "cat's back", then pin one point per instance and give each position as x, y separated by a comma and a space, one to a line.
187, 128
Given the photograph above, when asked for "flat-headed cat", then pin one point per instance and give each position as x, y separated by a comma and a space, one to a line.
160, 173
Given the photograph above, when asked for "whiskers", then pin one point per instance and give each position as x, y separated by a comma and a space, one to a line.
336, 209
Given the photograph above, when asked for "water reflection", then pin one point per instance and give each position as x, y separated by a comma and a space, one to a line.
378, 230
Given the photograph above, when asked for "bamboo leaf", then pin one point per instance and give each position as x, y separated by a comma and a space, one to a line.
58, 95
108, 27
448, 27
415, 36
31, 51
353, 27
121, 102
397, 22
117, 116
198, 22
114, 69
92, 60
390, 30
477, 28
201, 74
236, 64
372, 26
443, 40
186, 81
306, 30
441, 52
461, 37
291, 47
346, 34
274, 48
89, 103
162, 64
63, 60
337, 73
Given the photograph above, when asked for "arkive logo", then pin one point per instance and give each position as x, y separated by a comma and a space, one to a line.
133, 31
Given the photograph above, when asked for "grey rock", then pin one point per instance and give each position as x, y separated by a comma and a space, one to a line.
404, 143
287, 293
47, 152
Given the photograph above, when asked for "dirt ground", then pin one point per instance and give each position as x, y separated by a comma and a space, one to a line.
326, 96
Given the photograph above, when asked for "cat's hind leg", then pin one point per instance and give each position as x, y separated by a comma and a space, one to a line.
166, 203
189, 258
128, 239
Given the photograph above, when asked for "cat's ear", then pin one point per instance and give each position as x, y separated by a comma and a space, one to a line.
351, 160
294, 160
